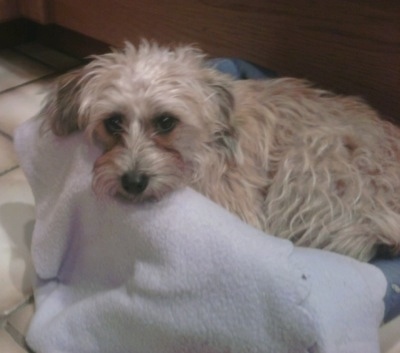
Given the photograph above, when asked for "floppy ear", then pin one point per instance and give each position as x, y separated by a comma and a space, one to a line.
61, 109
225, 135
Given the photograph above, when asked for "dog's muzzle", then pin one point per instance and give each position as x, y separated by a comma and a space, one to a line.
134, 183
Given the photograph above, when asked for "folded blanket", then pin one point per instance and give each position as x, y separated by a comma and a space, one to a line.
179, 275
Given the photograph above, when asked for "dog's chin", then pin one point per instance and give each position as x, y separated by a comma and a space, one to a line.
125, 197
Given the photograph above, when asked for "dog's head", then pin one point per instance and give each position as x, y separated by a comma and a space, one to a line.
156, 111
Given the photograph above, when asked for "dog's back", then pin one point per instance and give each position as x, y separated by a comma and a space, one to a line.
331, 166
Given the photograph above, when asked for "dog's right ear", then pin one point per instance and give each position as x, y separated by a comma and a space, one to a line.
61, 108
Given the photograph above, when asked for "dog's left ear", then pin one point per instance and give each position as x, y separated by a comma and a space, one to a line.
225, 134
61, 108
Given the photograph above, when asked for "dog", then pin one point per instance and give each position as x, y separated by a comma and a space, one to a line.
299, 162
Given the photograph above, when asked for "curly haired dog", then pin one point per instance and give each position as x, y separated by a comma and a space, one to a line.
302, 163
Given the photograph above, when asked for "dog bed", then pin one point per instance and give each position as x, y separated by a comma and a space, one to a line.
183, 274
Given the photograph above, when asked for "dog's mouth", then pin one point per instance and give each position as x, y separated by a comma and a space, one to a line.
136, 186
126, 188
141, 188
123, 196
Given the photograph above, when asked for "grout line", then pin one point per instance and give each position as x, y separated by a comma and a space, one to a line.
27, 300
50, 75
34, 58
4, 172
29, 82
17, 336
7, 136
55, 73
13, 332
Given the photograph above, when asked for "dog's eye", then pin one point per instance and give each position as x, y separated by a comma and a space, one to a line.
165, 123
113, 123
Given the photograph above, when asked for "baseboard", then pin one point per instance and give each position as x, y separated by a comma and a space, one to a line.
70, 42
16, 32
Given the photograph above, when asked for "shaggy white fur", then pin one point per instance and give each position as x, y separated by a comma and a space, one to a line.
302, 163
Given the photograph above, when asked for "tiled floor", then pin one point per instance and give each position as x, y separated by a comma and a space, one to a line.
25, 71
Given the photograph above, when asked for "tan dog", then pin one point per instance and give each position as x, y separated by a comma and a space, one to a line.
298, 162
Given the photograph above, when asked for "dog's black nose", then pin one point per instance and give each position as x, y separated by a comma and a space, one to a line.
134, 183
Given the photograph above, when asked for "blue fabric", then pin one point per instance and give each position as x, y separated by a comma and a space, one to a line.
391, 270
240, 70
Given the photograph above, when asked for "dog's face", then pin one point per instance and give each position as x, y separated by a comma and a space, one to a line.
155, 111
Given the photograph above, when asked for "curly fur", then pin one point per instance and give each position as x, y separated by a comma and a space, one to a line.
302, 163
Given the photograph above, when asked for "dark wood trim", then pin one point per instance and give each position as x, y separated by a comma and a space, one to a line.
16, 32
70, 42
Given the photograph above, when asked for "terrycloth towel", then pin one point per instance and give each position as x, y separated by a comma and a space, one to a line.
181, 275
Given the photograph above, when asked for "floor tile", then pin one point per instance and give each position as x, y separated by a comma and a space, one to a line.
8, 345
17, 69
17, 217
390, 335
8, 158
14, 187
21, 318
22, 103
396, 348
48, 56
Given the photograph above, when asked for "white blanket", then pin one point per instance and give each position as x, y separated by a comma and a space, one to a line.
180, 275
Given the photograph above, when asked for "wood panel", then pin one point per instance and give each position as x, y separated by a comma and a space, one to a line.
346, 45
8, 10
35, 10
71, 42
